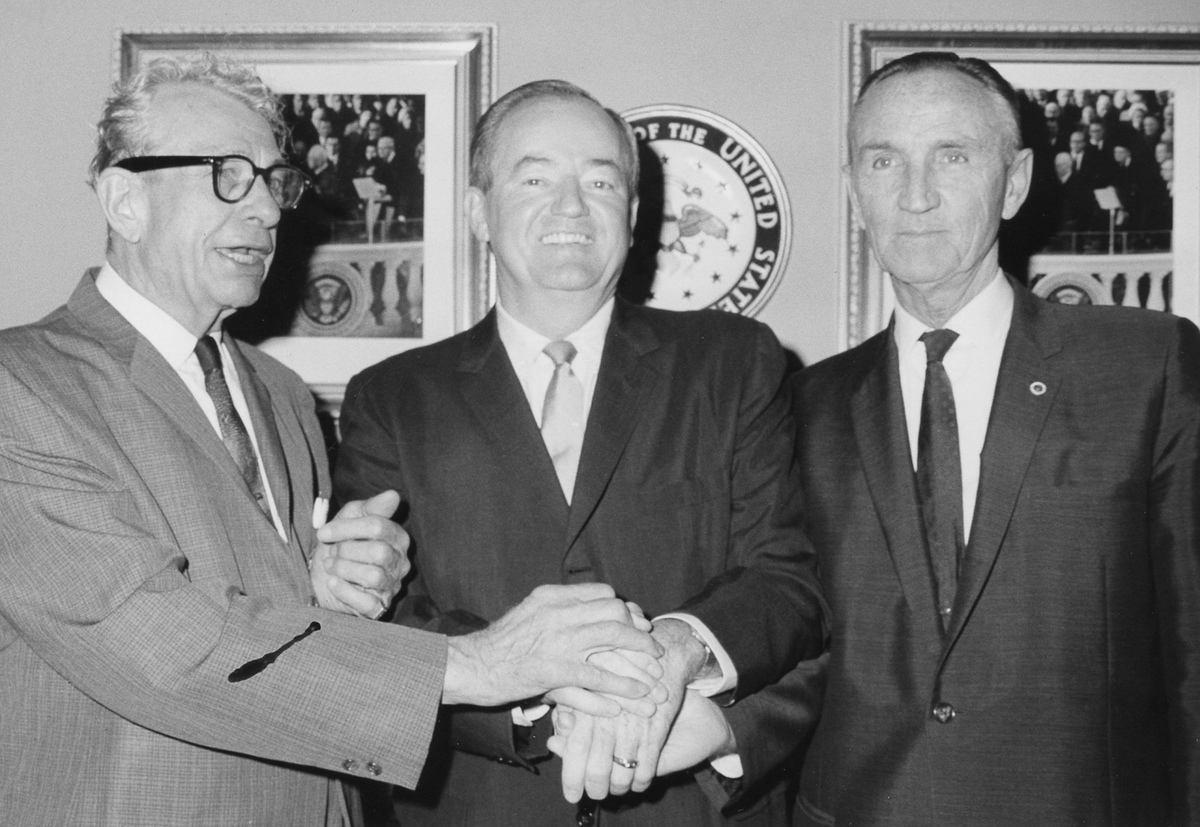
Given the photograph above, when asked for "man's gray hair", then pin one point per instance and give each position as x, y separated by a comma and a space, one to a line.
483, 144
123, 131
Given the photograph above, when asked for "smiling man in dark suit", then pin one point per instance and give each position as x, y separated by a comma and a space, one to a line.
1005, 498
571, 437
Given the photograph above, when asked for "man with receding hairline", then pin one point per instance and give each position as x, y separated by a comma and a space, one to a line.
572, 437
1015, 589
1004, 495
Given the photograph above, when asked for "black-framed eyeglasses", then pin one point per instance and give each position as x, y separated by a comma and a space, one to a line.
232, 175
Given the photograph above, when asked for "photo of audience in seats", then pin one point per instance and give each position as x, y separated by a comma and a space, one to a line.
1090, 140
365, 155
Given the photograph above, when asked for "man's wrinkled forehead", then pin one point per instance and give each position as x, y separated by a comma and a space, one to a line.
544, 111
533, 161
931, 86
207, 120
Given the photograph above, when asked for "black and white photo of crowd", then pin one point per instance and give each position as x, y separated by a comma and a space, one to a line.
365, 155
1106, 168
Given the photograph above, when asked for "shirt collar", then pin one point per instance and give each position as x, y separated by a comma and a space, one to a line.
525, 345
174, 341
983, 321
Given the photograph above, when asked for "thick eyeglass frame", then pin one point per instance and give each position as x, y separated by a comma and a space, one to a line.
146, 163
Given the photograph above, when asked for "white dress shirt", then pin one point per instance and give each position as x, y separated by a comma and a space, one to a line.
178, 346
973, 366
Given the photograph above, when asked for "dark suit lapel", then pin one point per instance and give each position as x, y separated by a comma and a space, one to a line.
621, 389
267, 435
493, 394
1018, 414
877, 414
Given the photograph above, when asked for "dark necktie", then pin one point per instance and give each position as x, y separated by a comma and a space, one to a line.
233, 430
562, 415
939, 473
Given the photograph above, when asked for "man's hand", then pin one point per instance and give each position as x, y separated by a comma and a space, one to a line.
590, 746
544, 643
637, 665
700, 733
361, 557
602, 756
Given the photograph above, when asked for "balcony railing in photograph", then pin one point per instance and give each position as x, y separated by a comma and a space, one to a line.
1131, 279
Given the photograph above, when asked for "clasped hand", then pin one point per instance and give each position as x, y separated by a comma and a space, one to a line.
361, 557
605, 754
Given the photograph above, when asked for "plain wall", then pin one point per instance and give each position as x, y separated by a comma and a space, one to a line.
774, 67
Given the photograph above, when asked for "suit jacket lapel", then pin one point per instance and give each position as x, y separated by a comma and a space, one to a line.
877, 415
267, 435
622, 386
1018, 414
148, 371
493, 394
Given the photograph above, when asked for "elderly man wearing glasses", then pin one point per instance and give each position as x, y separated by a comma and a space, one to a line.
184, 639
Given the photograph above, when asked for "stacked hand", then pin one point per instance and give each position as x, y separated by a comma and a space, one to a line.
622, 714
557, 637
614, 755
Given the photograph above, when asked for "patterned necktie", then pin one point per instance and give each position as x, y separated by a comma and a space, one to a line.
233, 430
939, 472
562, 415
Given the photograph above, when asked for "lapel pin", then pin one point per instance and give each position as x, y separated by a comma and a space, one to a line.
1037, 388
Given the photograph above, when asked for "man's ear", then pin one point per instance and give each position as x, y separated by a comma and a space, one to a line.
633, 209
1020, 174
476, 205
122, 198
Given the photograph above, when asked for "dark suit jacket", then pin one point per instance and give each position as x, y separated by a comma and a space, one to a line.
1098, 165
1076, 203
139, 573
686, 498
1072, 665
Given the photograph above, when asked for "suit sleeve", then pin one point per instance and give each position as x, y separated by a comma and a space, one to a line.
766, 608
97, 586
774, 725
368, 461
1175, 549
773, 728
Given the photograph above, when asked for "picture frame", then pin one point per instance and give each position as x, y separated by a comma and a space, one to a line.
1037, 58
368, 287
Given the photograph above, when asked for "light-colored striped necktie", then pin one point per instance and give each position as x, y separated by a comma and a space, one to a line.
562, 415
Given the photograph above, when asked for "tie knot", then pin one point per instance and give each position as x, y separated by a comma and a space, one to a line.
560, 352
937, 342
208, 353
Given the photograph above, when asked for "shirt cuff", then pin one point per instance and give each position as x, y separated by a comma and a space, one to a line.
729, 766
717, 684
525, 716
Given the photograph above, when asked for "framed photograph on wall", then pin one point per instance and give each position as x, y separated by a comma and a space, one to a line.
378, 257
1124, 231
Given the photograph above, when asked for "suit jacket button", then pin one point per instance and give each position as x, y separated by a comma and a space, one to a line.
943, 711
374, 768
349, 765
